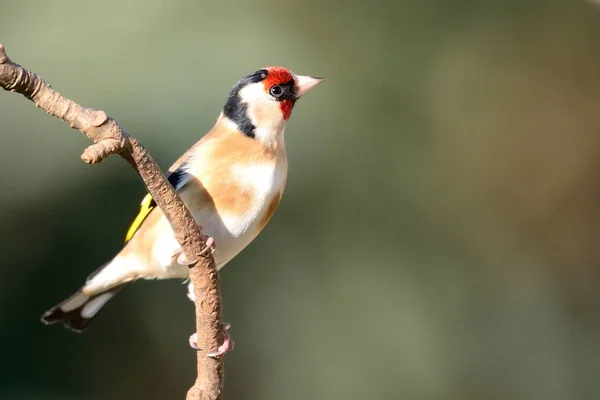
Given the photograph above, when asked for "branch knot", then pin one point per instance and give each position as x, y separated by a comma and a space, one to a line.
97, 152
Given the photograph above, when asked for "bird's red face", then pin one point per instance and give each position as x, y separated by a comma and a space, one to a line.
279, 80
287, 87
261, 102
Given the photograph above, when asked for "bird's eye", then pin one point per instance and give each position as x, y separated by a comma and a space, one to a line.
276, 91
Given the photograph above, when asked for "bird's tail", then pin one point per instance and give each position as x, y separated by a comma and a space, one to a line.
80, 309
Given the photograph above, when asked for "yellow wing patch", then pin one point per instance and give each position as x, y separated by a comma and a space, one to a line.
147, 205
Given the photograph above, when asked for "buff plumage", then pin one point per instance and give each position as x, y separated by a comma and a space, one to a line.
232, 181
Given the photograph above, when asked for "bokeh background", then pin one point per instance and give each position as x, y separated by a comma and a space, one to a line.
438, 238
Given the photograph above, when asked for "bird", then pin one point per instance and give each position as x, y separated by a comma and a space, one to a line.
232, 180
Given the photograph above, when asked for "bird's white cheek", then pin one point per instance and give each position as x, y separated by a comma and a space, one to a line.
267, 117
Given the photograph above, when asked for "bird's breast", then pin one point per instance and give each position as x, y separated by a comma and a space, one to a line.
255, 192
237, 184
239, 200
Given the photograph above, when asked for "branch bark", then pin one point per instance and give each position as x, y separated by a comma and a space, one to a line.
109, 138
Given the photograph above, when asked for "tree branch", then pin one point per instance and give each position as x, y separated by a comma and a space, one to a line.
109, 138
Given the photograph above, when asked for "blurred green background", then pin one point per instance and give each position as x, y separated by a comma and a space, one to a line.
438, 238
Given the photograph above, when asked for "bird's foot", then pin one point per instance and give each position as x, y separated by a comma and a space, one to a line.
210, 246
226, 347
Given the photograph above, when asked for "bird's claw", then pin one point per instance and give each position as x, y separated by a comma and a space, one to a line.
182, 260
193, 340
210, 245
226, 347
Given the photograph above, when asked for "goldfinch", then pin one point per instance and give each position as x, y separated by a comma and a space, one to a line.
231, 180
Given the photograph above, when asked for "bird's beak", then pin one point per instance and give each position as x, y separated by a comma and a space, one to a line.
305, 83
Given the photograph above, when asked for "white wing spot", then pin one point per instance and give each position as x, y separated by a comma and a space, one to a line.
74, 303
94, 305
